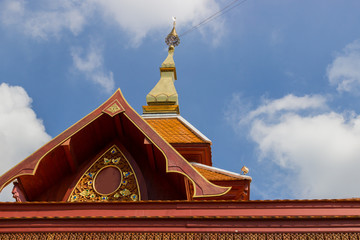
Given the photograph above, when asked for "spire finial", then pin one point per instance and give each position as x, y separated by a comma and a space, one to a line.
172, 39
163, 98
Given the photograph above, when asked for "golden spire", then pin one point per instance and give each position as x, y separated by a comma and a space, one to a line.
163, 98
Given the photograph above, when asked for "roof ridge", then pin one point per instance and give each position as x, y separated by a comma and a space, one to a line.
221, 171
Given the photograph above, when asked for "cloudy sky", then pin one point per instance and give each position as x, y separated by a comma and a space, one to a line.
274, 84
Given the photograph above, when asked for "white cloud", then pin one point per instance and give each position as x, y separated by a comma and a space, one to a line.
141, 17
48, 21
91, 64
318, 149
344, 71
137, 18
12, 11
288, 103
21, 132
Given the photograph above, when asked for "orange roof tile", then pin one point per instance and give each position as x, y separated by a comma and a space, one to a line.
217, 174
214, 176
173, 130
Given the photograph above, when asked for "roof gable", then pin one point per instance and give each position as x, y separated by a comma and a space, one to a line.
114, 119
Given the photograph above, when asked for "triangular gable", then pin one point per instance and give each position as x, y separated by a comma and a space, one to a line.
116, 105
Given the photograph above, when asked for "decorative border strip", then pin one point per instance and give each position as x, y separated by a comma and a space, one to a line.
182, 236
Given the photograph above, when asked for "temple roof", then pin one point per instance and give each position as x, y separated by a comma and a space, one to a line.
175, 130
74, 146
217, 174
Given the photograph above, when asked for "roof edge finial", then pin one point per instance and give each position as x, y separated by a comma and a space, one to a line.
172, 39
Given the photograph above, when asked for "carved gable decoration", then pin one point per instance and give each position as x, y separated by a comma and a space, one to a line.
109, 178
114, 108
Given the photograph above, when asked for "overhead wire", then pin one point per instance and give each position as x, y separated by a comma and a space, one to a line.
219, 13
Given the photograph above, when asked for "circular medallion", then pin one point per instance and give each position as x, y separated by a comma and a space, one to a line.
108, 180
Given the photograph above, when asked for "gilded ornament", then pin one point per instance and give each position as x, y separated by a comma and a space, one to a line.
172, 39
127, 174
125, 192
114, 108
134, 197
245, 170
84, 193
116, 160
85, 190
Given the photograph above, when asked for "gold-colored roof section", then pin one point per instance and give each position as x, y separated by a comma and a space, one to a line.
169, 61
164, 94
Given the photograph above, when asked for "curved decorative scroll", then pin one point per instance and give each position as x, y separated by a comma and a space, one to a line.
109, 178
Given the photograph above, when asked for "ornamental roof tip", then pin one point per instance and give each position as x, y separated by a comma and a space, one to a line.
172, 39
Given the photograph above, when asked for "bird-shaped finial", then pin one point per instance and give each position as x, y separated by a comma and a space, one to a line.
245, 170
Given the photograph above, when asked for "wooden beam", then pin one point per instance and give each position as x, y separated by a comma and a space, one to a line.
150, 153
69, 156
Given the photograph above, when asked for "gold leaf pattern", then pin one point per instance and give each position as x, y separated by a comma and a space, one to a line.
113, 108
85, 191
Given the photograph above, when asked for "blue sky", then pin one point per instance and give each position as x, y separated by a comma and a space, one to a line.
274, 84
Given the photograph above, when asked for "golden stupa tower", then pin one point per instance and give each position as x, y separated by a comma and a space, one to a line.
163, 98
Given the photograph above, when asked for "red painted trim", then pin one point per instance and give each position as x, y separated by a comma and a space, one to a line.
228, 209
183, 216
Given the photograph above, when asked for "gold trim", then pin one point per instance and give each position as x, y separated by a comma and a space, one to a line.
161, 108
169, 69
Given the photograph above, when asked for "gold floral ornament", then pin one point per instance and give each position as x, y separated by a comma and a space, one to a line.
113, 108
90, 186
125, 192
